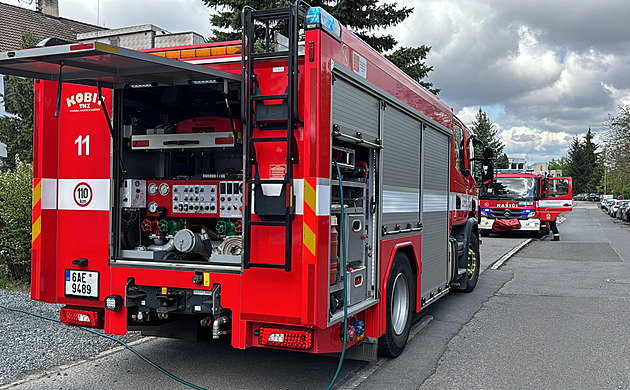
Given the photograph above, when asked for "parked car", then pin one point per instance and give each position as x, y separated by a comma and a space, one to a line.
607, 204
622, 208
626, 215
614, 207
594, 197
580, 197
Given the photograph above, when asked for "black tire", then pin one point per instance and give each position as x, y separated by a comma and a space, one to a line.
473, 265
539, 234
400, 307
484, 233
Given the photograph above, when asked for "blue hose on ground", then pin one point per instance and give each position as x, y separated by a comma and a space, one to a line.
343, 269
163, 371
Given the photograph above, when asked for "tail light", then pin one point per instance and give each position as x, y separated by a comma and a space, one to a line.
299, 339
92, 318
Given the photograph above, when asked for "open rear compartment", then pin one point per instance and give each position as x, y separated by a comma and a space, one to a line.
180, 163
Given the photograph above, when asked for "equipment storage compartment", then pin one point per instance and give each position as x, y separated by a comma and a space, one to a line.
182, 159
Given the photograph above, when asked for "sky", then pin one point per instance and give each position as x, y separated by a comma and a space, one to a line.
543, 70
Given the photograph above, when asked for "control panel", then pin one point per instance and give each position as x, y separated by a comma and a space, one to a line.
231, 199
133, 193
199, 198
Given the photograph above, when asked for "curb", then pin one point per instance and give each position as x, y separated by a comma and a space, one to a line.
511, 253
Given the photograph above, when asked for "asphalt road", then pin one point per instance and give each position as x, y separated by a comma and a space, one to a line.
553, 316
561, 322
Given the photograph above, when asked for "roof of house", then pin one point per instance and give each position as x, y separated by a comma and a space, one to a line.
16, 20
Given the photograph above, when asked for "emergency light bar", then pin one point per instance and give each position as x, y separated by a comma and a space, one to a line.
316, 17
201, 52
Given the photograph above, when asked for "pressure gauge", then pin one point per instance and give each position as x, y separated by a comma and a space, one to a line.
153, 189
153, 206
164, 189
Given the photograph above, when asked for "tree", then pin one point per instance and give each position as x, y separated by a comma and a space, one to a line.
362, 16
559, 164
617, 150
487, 133
15, 221
582, 164
16, 130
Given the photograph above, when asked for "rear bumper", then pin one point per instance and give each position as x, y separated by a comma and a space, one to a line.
530, 225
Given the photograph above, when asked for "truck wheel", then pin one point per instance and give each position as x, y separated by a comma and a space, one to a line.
539, 234
472, 265
484, 232
400, 305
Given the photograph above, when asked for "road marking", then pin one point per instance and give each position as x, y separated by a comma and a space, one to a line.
511, 253
360, 376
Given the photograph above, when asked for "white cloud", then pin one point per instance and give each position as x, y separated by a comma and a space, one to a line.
533, 142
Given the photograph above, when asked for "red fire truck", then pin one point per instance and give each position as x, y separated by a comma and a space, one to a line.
523, 200
247, 188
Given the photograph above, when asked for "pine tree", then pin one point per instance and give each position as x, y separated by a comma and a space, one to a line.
363, 17
487, 133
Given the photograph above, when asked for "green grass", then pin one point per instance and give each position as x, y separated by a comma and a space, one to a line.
15, 285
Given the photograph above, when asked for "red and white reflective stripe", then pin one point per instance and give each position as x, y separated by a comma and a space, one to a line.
49, 194
322, 197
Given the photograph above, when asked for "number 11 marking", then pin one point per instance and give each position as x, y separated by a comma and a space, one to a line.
80, 141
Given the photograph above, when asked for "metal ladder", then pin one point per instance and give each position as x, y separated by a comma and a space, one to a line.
273, 211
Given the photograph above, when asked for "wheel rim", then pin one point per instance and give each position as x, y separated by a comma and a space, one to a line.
400, 303
471, 267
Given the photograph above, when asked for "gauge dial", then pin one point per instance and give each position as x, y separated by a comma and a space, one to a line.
153, 206
153, 189
164, 189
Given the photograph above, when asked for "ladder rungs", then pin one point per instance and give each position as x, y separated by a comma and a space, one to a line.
269, 139
267, 181
269, 97
272, 14
272, 55
263, 265
268, 223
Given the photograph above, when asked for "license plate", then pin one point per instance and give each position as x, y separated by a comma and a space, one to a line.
82, 283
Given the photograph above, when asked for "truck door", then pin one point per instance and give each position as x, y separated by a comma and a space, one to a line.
76, 165
557, 198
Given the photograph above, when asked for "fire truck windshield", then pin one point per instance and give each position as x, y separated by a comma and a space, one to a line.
516, 188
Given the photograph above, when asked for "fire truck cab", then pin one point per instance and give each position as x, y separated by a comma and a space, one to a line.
523, 200
284, 194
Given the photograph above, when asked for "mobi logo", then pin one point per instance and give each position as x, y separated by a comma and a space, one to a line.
83, 101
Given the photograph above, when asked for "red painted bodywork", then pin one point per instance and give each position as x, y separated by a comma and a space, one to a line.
256, 297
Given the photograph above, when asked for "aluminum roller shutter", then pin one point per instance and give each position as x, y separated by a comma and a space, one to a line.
355, 110
401, 169
435, 192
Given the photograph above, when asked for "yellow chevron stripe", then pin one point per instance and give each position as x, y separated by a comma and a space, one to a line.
37, 228
37, 192
310, 197
309, 238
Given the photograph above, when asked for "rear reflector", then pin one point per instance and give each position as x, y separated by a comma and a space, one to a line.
141, 144
92, 318
299, 339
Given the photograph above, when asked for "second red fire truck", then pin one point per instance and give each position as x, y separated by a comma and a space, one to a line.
523, 200
247, 190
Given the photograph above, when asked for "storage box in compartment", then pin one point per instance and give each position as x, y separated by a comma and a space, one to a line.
355, 238
356, 285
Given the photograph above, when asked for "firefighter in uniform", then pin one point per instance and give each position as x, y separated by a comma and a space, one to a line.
554, 229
